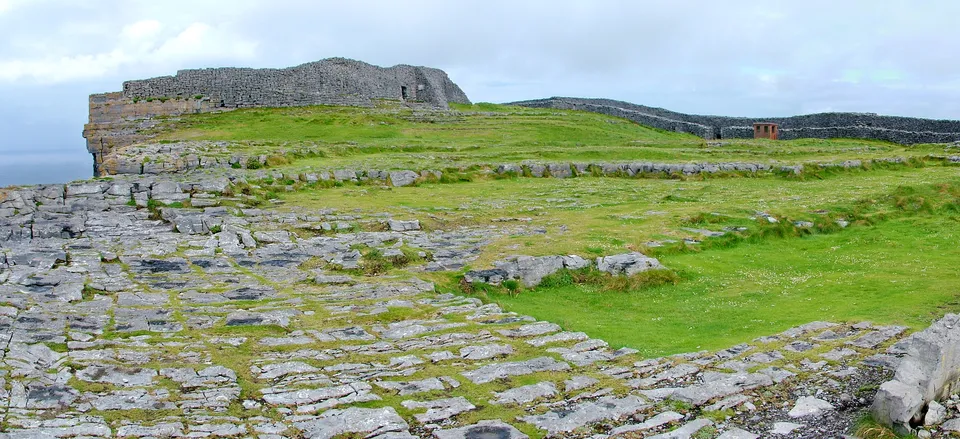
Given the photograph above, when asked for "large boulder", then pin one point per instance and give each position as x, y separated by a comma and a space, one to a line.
627, 264
531, 270
403, 178
929, 371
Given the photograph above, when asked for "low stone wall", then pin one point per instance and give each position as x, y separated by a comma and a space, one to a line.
904, 130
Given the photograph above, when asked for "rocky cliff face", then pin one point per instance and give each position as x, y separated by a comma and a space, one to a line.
117, 118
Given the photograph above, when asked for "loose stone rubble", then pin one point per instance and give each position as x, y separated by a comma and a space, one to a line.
120, 318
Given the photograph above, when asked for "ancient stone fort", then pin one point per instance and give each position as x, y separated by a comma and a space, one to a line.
116, 117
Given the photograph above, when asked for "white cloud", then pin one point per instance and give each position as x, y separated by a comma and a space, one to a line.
143, 44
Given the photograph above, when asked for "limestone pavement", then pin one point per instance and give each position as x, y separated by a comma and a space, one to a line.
121, 319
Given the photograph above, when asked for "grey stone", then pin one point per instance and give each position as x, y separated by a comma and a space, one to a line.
627, 264
403, 226
403, 178
410, 387
525, 394
927, 373
784, 428
654, 422
440, 409
936, 413
494, 371
736, 433
369, 422
574, 262
538, 328
331, 396
483, 352
725, 385
531, 270
808, 406
951, 425
491, 429
163, 429
686, 431
558, 337
279, 370
579, 382
117, 376
579, 415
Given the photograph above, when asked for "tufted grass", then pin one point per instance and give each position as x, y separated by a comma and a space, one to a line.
894, 265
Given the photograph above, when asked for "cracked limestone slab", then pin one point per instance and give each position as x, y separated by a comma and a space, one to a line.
487, 351
569, 419
525, 394
481, 430
439, 410
494, 371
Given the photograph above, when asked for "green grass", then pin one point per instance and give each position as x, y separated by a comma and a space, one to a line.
898, 272
895, 264
396, 137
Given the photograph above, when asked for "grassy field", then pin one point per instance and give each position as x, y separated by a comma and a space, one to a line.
392, 137
897, 263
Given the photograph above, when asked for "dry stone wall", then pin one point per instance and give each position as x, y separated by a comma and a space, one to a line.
904, 130
334, 81
117, 119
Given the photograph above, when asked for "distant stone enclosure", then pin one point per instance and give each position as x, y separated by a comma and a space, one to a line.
116, 118
903, 130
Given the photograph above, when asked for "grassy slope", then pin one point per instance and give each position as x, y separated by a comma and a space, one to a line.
900, 271
395, 137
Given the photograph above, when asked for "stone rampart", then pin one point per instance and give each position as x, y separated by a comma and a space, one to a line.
904, 130
118, 119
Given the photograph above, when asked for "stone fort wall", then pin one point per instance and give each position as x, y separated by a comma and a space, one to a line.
117, 118
904, 130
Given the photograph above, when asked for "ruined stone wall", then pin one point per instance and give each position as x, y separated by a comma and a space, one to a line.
118, 119
904, 130
334, 81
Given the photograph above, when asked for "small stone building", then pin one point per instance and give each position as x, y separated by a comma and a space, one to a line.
765, 130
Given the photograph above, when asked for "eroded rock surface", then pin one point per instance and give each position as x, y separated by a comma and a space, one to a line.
214, 319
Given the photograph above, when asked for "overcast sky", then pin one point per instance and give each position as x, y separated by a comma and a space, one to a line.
730, 57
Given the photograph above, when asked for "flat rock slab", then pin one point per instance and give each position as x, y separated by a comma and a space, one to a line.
495, 429
494, 371
410, 387
654, 422
686, 431
329, 396
736, 433
579, 382
784, 428
483, 352
735, 383
118, 376
368, 422
606, 408
440, 409
809, 406
531, 330
525, 394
